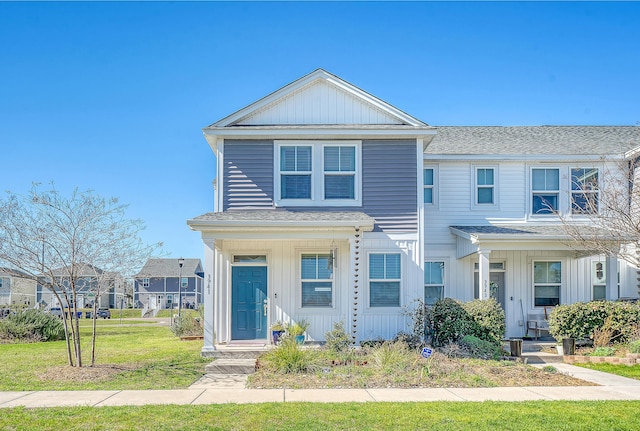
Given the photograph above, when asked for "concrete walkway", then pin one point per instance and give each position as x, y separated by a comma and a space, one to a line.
212, 389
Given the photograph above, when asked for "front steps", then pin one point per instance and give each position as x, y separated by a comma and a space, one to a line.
236, 359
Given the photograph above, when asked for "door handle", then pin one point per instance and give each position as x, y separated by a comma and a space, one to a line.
265, 307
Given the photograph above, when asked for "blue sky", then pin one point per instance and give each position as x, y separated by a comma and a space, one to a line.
112, 97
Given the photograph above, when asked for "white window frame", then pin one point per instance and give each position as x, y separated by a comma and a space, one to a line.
477, 187
302, 280
534, 284
318, 173
557, 192
399, 280
145, 283
444, 266
595, 191
184, 282
434, 187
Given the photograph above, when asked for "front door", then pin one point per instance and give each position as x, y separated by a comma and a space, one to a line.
248, 302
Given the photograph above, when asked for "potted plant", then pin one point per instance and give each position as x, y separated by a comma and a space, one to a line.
277, 329
298, 329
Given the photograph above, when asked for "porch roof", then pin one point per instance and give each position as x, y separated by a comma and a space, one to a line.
280, 219
470, 239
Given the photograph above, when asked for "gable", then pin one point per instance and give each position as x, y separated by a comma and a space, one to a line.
319, 98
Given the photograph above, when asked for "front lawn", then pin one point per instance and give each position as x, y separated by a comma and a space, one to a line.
131, 355
630, 371
446, 416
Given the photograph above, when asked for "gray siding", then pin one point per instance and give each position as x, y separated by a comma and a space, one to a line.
248, 174
389, 182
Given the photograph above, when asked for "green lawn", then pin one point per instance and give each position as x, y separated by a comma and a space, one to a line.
145, 356
538, 415
633, 371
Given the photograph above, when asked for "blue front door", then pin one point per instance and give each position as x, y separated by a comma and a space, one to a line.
248, 302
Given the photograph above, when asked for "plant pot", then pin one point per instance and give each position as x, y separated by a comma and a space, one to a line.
276, 336
300, 339
569, 346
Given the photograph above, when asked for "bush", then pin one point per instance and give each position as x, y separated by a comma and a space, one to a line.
337, 340
187, 325
580, 320
390, 357
489, 316
603, 351
480, 348
31, 325
289, 358
634, 346
452, 320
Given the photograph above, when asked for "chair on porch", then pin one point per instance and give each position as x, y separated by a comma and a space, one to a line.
539, 322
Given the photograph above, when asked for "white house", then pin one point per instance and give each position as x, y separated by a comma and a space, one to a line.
333, 205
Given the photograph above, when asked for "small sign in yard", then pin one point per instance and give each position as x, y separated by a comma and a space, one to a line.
426, 352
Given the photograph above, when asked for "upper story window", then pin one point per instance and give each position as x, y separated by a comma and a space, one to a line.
429, 185
184, 282
145, 282
584, 190
545, 190
384, 279
485, 186
315, 173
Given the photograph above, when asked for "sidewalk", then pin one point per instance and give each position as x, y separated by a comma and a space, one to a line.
213, 389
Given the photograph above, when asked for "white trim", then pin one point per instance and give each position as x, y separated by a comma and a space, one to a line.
317, 173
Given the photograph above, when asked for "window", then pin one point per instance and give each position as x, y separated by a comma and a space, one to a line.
184, 282
584, 190
547, 277
433, 282
429, 185
317, 280
599, 281
339, 172
384, 280
545, 187
295, 172
485, 183
251, 259
315, 173
145, 282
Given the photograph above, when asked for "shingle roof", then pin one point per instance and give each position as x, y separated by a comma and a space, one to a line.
555, 231
278, 216
531, 140
169, 268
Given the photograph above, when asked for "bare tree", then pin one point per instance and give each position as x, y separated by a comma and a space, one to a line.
66, 242
605, 209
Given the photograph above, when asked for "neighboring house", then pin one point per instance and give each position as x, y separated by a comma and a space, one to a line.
333, 205
16, 289
91, 283
156, 285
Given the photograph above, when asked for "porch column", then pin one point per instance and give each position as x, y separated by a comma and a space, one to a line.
611, 267
208, 293
483, 274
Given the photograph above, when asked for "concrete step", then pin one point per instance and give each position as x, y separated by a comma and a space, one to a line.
238, 353
231, 366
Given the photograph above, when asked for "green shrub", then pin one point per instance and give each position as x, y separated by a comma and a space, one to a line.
289, 358
452, 320
489, 316
479, 348
581, 319
337, 340
634, 346
31, 325
187, 324
603, 351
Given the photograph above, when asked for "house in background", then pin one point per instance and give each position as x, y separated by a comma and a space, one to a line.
333, 205
16, 289
91, 284
160, 281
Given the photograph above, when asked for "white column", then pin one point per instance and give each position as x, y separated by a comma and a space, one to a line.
483, 274
208, 293
612, 278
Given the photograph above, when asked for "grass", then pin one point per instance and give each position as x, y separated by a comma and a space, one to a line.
521, 416
128, 356
632, 372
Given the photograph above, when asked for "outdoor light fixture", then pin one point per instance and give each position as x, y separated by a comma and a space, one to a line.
180, 263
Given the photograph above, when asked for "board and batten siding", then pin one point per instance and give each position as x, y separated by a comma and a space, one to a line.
248, 174
389, 182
